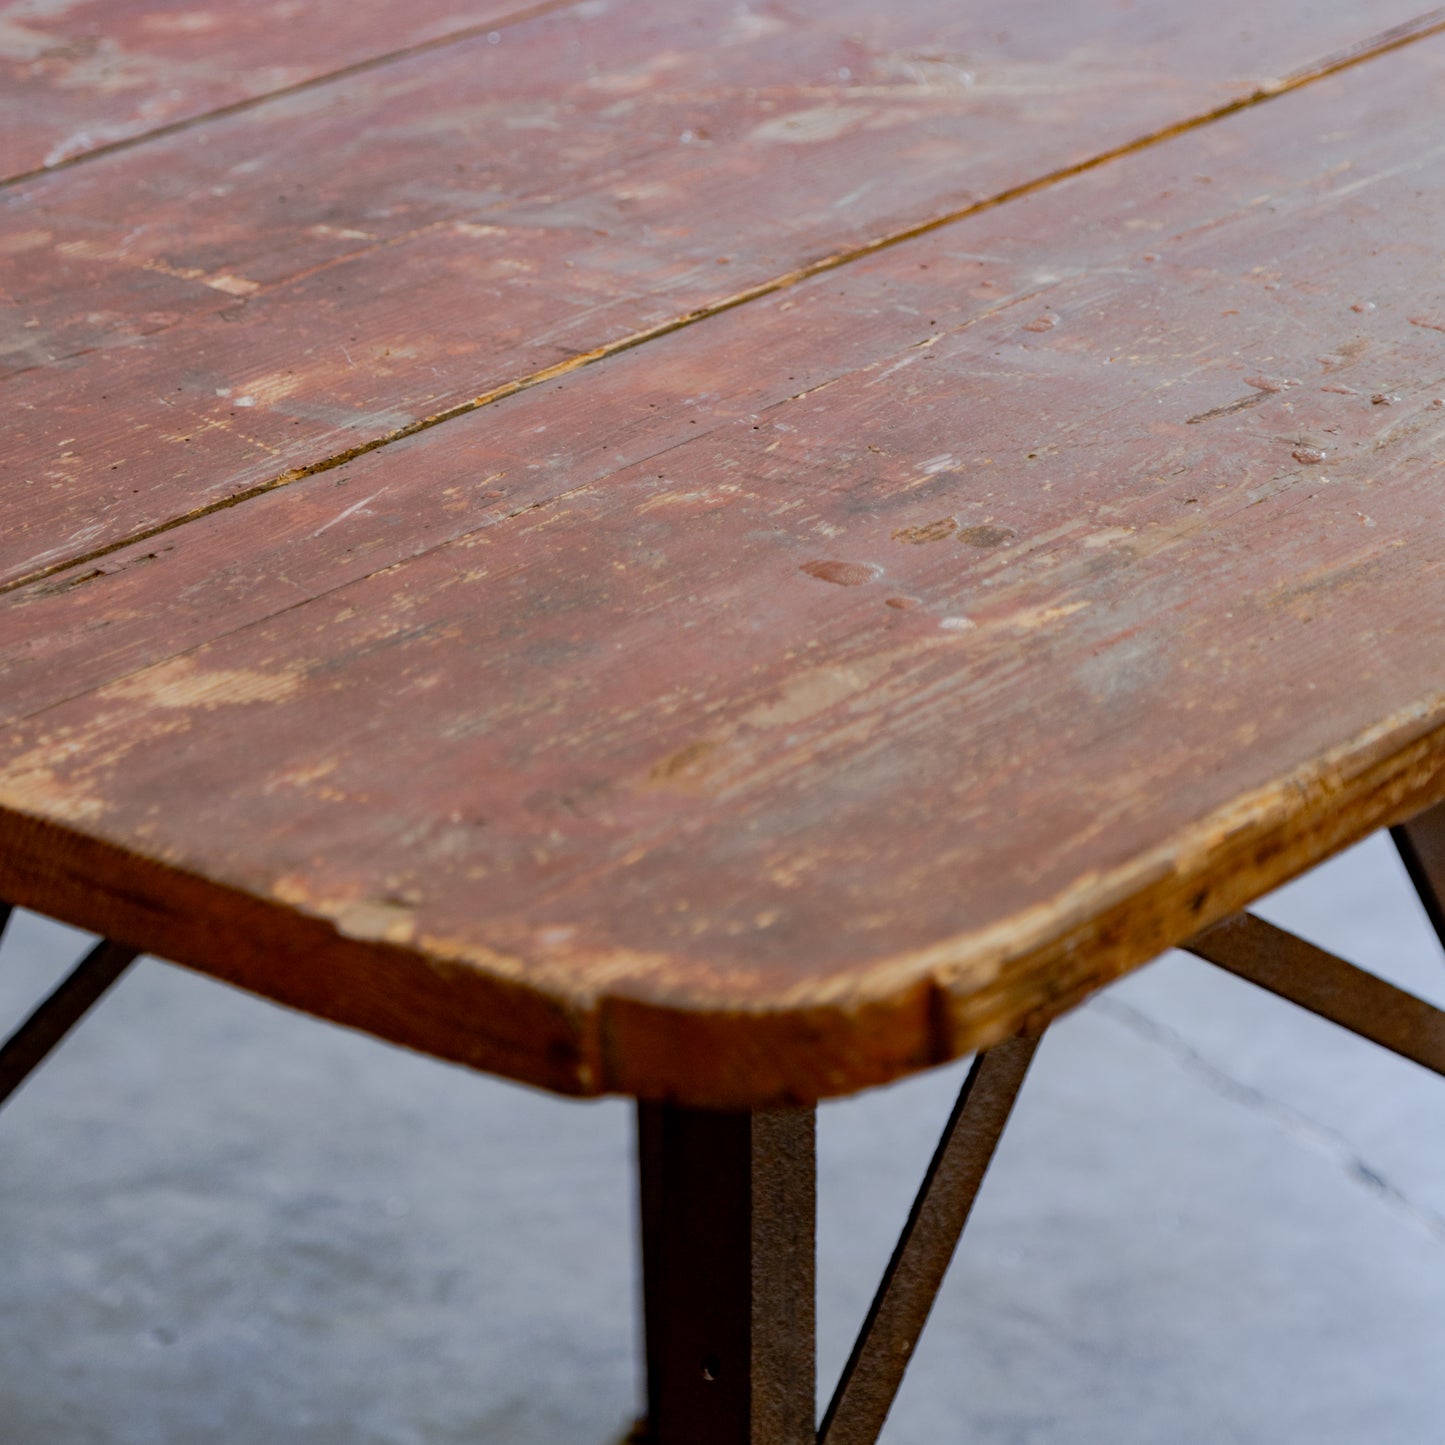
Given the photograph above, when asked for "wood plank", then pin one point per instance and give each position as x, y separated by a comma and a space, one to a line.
214, 311
862, 728
84, 75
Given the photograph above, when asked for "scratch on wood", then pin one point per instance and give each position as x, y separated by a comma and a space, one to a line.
1253, 399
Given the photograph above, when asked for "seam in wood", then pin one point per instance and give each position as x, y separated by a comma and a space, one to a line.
1430, 24
1279, 485
315, 82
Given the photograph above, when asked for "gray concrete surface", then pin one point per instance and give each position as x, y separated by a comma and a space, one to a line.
1212, 1220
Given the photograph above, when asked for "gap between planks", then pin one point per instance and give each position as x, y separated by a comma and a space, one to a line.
313, 82
1423, 27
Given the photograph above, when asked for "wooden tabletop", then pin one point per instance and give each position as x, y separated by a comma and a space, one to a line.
712, 551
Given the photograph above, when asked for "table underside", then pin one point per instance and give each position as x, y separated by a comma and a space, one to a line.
724, 558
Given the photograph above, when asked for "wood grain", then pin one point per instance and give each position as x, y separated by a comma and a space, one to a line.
219, 310
84, 75
1085, 584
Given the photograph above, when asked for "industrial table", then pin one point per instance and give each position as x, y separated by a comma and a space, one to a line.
720, 554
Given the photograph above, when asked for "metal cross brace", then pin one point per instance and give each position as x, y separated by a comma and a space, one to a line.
28, 1047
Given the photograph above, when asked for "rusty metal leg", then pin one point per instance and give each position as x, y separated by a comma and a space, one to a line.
28, 1046
728, 1213
1421, 844
900, 1309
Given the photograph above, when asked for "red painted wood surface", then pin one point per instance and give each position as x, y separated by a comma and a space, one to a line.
80, 75
823, 689
207, 313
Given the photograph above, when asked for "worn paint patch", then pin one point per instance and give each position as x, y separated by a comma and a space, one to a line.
685, 765
180, 683
36, 788
62, 774
812, 692
806, 127
1042, 616
18, 242
938, 531
183, 22
712, 497
275, 387
232, 285
377, 920
1107, 536
986, 536
1327, 584
302, 776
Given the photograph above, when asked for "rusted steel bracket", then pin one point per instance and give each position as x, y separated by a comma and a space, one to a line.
1421, 844
1257, 951
25, 1049
925, 1249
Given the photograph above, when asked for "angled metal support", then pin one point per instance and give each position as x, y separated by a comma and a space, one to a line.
901, 1307
1257, 951
1421, 844
28, 1046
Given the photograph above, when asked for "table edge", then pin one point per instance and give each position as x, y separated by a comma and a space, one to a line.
904, 1014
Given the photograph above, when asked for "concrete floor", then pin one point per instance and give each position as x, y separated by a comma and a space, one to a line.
1213, 1219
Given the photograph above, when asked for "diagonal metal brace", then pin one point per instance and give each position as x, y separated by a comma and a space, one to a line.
1257, 951
1421, 845
28, 1046
900, 1309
